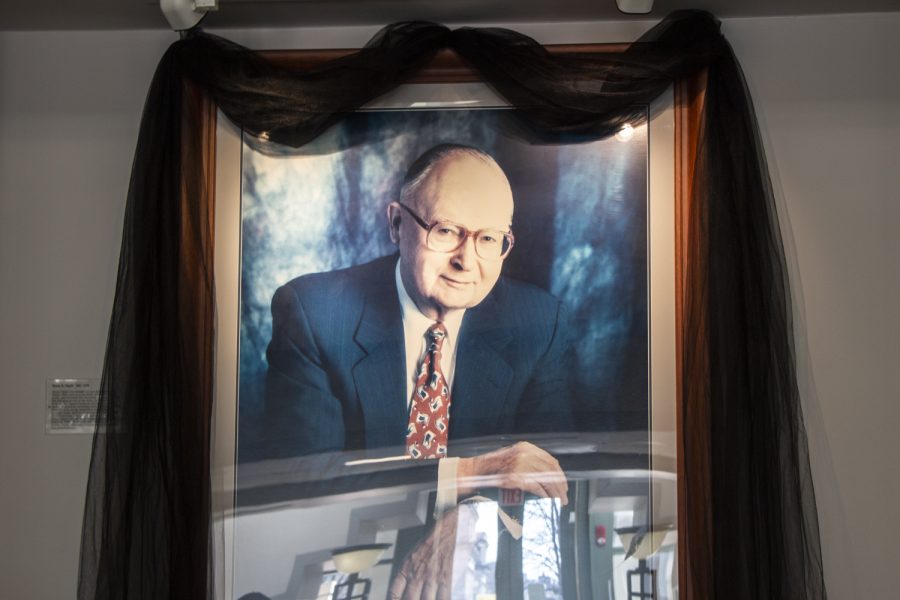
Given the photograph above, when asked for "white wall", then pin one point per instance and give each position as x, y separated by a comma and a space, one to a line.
69, 110
828, 98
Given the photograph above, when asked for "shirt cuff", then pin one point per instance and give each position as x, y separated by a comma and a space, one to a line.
446, 486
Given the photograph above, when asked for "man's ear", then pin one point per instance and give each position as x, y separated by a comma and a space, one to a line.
393, 215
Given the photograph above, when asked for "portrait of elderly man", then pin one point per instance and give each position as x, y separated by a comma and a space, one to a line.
429, 345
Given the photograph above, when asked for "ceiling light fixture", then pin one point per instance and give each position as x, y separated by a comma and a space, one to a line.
184, 14
635, 7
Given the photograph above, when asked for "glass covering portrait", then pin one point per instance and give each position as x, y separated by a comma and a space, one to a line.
537, 403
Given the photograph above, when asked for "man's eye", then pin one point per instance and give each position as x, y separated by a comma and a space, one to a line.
446, 231
488, 239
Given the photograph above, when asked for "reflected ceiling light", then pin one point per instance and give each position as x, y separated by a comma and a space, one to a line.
442, 103
635, 7
350, 560
353, 559
373, 461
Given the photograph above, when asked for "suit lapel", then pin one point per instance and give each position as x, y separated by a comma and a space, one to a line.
483, 376
379, 375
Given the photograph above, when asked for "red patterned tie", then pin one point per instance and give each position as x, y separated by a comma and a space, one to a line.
429, 413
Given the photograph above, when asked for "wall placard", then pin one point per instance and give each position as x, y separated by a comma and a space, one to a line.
72, 405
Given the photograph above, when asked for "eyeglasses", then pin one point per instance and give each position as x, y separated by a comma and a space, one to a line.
446, 236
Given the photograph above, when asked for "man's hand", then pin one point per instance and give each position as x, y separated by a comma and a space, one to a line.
522, 466
437, 567
438, 564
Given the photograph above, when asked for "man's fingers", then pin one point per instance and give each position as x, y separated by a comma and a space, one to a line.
409, 579
430, 584
398, 585
521, 466
540, 472
554, 487
444, 589
522, 481
555, 483
426, 571
543, 484
414, 582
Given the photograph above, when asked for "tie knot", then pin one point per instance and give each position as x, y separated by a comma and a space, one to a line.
436, 334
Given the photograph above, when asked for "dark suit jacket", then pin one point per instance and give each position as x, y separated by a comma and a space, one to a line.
337, 381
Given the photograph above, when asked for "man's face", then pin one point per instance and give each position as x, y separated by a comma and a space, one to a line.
468, 191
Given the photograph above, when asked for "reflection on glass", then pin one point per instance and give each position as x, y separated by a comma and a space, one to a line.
601, 546
475, 554
541, 555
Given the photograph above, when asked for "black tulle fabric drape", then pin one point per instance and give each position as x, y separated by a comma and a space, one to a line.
750, 524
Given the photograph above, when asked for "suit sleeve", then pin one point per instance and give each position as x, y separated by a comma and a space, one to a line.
302, 414
547, 403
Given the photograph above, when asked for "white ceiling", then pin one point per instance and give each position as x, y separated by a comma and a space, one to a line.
145, 14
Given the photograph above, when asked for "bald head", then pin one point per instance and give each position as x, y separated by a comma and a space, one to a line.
430, 160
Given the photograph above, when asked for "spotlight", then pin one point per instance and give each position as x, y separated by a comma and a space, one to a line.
635, 7
626, 133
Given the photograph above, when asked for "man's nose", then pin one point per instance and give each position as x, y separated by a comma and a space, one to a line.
465, 256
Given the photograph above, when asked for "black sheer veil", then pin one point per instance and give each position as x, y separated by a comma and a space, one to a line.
750, 522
